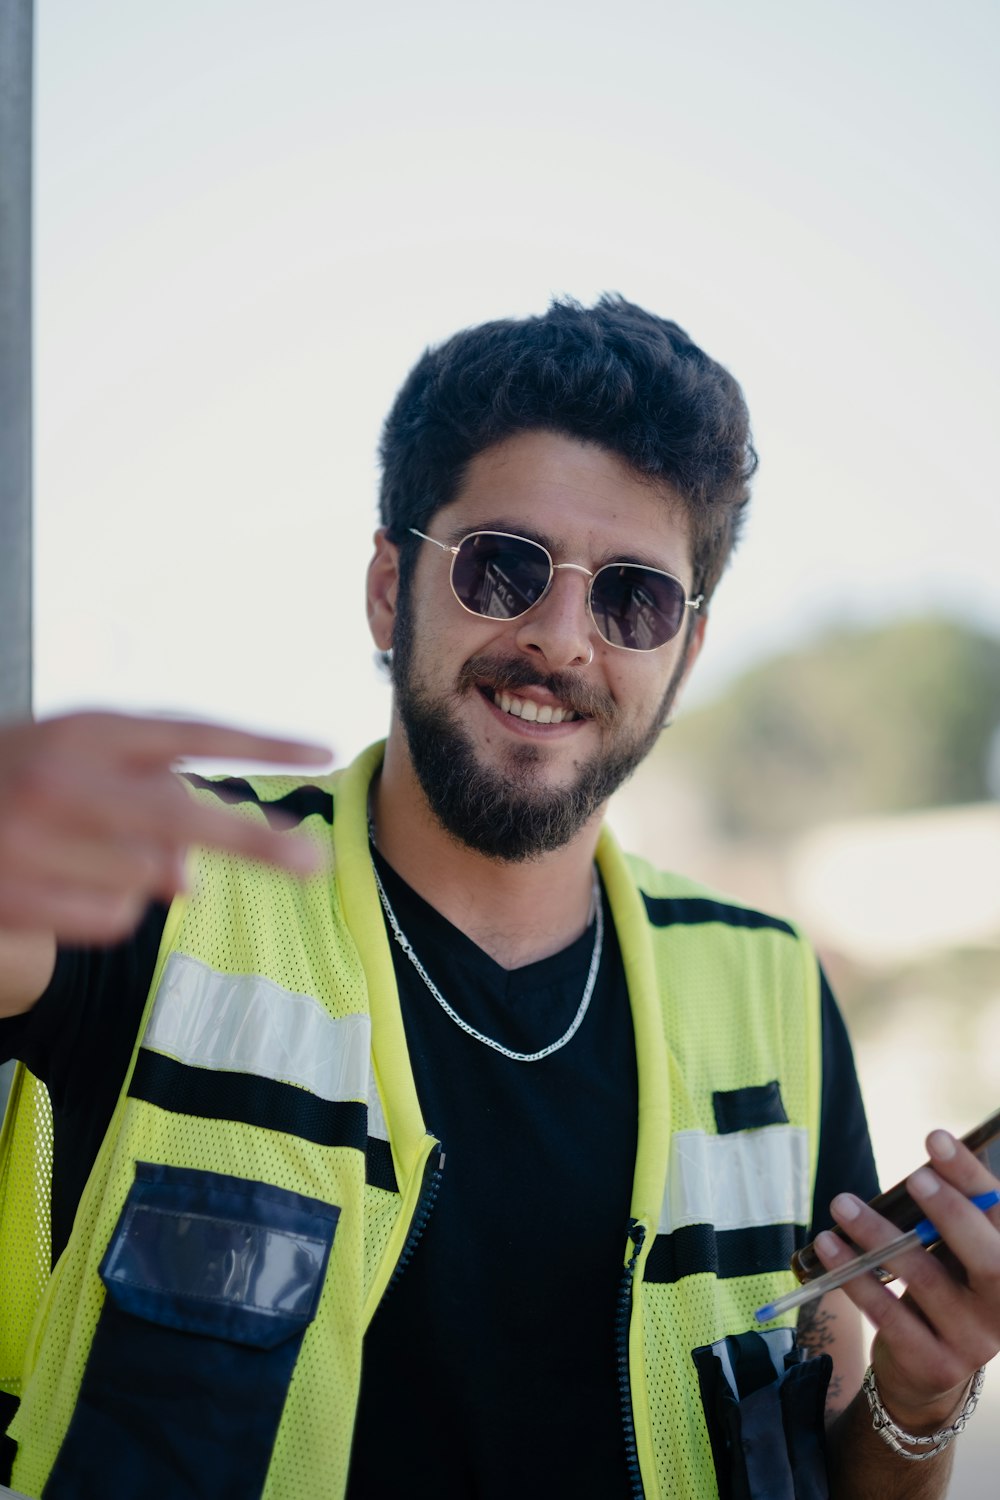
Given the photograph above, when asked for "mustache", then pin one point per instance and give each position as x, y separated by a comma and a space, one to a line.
507, 674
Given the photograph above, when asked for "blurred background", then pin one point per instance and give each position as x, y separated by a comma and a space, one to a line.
251, 219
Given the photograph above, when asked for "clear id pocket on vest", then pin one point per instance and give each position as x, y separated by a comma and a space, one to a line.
211, 1282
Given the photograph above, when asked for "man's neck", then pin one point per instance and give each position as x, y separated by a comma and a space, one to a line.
518, 913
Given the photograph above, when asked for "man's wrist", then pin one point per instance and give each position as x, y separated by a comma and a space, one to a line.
925, 1418
926, 1433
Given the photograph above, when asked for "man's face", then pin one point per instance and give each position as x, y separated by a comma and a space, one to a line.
472, 695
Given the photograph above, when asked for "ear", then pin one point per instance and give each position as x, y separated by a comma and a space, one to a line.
383, 590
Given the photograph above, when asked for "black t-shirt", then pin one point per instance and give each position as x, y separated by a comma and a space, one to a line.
474, 1370
507, 1309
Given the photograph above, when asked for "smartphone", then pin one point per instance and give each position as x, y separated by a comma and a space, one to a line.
898, 1207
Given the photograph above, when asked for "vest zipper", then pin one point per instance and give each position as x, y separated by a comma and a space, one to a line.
433, 1167
636, 1233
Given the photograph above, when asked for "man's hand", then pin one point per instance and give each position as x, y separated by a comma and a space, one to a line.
931, 1341
94, 823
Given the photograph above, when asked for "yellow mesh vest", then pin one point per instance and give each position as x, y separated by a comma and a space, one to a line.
25, 1234
716, 1007
712, 1008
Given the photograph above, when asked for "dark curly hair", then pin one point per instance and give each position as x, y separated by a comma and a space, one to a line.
611, 374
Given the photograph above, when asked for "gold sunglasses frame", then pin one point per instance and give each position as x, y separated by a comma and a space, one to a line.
510, 536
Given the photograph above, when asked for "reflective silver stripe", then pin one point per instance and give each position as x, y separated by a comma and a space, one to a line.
377, 1126
738, 1181
243, 1023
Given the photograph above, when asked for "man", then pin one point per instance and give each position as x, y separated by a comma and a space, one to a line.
538, 1133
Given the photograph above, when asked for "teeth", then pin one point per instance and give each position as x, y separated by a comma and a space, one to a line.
532, 712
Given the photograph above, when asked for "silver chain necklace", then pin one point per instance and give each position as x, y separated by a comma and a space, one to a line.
488, 1041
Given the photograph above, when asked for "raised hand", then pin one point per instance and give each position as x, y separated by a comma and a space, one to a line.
94, 823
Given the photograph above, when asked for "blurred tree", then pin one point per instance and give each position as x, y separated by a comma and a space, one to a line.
864, 721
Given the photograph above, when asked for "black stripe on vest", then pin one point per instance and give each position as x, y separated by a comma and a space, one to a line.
694, 911
304, 802
379, 1170
723, 1252
212, 1095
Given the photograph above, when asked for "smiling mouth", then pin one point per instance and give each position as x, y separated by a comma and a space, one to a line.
532, 713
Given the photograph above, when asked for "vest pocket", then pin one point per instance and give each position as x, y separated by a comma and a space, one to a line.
211, 1282
764, 1404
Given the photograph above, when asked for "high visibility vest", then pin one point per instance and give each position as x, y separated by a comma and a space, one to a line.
267, 1172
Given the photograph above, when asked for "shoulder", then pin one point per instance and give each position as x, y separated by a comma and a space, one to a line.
737, 966
293, 797
675, 900
720, 952
296, 801
299, 808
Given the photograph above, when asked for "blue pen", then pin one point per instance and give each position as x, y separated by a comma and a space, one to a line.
923, 1235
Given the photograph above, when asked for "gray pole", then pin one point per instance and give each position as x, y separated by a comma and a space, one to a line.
16, 29
15, 358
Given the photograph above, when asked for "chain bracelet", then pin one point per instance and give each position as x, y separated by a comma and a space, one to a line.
930, 1445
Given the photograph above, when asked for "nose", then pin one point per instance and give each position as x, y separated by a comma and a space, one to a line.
559, 628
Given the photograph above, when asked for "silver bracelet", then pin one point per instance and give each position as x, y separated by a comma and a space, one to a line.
937, 1442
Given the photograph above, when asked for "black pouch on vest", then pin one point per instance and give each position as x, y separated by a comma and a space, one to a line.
211, 1283
764, 1408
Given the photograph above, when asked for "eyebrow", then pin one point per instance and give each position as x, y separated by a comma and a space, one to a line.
531, 534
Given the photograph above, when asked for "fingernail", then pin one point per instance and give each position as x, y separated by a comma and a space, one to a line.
924, 1182
829, 1244
942, 1145
846, 1206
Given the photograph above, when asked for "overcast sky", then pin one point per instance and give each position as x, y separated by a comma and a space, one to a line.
251, 219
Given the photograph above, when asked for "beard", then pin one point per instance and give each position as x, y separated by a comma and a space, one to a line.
504, 813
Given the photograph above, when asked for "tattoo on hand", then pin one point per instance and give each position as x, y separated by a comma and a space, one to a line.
815, 1336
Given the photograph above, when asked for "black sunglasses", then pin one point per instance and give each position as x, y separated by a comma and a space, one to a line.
501, 577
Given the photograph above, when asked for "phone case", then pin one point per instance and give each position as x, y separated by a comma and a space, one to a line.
897, 1205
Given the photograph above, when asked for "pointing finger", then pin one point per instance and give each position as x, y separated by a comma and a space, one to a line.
163, 740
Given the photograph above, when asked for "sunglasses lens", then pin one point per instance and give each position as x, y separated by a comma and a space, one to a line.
499, 576
636, 607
